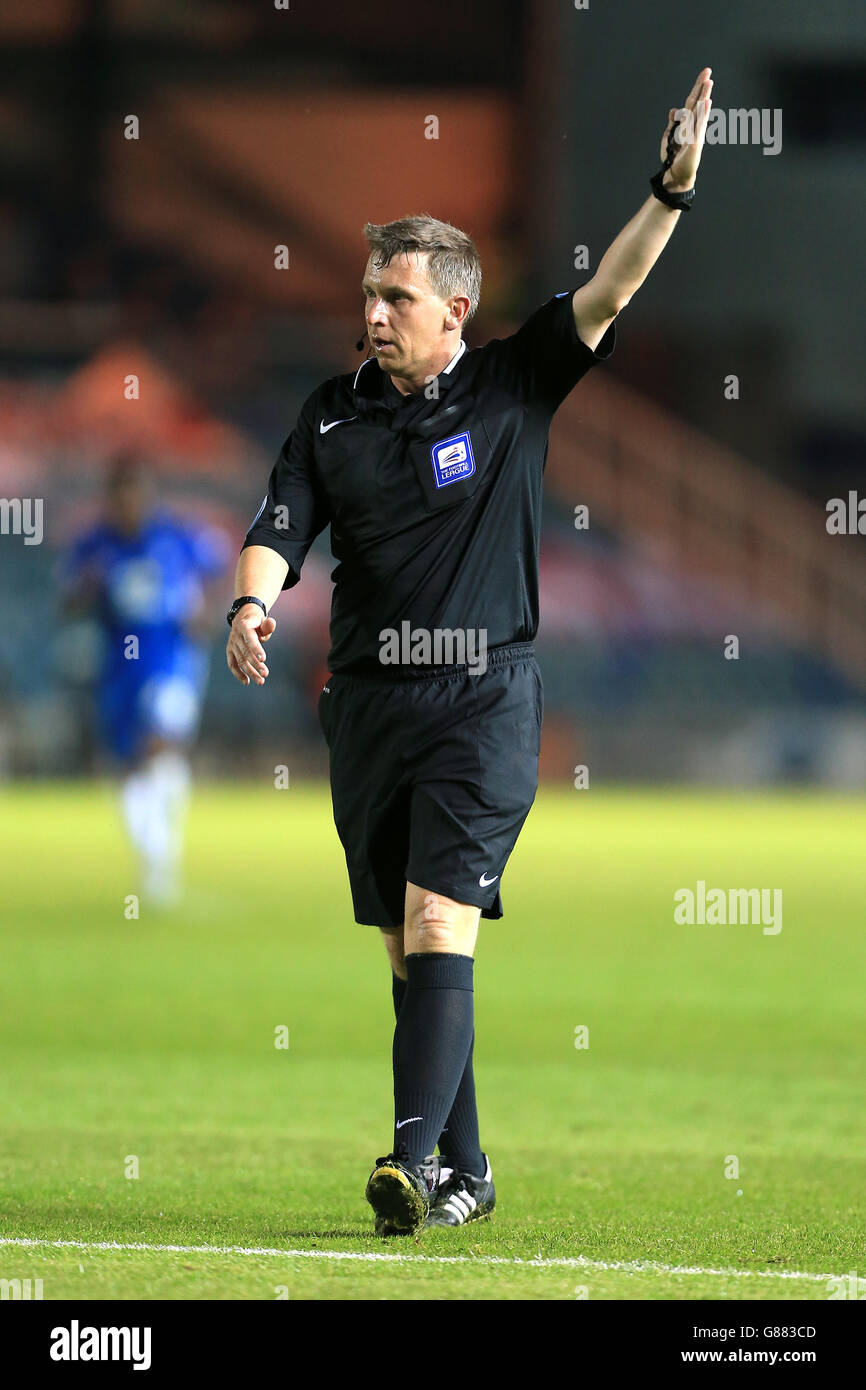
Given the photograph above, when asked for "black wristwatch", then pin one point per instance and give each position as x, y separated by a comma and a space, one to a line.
238, 605
682, 201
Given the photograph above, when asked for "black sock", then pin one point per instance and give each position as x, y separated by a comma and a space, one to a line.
398, 989
459, 1144
431, 1044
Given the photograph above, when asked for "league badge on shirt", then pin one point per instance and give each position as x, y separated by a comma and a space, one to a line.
452, 459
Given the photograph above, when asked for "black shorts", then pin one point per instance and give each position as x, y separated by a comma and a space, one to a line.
432, 778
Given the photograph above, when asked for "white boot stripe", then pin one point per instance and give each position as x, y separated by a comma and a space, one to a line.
460, 1201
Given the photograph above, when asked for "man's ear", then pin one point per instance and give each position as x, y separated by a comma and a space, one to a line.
458, 309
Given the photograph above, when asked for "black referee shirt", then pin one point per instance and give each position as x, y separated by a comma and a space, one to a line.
433, 499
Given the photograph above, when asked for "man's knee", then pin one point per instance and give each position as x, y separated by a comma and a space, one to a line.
436, 923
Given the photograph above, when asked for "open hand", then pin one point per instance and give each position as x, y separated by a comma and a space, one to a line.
245, 654
689, 139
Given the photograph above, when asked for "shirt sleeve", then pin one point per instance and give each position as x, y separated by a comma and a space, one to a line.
295, 508
546, 358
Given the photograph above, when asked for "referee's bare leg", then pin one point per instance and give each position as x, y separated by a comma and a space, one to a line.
432, 959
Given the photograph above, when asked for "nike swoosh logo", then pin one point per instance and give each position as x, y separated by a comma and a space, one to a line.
485, 882
401, 1123
323, 428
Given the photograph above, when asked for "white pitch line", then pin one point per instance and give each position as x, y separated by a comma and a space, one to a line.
564, 1262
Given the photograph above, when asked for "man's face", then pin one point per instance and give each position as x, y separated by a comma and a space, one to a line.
405, 318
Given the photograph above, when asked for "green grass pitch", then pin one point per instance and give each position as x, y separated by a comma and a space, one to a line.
153, 1039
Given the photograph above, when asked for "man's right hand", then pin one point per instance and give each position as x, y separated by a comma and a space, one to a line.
244, 651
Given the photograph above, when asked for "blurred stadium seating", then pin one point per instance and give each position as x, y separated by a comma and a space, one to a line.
155, 258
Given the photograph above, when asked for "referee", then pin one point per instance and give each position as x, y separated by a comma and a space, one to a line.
427, 464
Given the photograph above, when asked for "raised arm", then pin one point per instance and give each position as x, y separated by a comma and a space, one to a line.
630, 258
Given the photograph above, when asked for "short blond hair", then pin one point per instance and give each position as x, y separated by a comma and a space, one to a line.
453, 265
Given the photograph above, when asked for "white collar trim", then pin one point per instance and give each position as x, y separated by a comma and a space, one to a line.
456, 358
360, 369
445, 370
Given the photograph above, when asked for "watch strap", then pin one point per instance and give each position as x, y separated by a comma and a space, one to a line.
239, 604
681, 201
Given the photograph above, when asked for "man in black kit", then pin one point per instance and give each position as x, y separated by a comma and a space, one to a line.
427, 464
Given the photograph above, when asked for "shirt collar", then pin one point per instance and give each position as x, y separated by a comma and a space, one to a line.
369, 386
454, 360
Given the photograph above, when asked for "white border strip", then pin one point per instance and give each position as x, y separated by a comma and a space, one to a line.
570, 1262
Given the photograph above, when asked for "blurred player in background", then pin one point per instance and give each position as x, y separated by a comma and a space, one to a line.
147, 578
